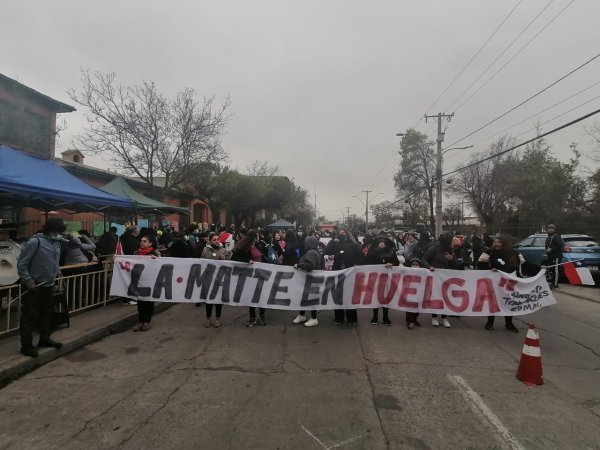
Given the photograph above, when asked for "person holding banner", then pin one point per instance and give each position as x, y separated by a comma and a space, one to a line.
145, 308
214, 251
246, 250
346, 252
381, 251
501, 256
440, 256
311, 260
412, 317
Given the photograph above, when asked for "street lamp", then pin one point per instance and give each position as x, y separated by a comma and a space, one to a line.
456, 148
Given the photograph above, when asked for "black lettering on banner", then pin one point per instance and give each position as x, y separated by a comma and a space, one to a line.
311, 288
198, 279
222, 280
242, 272
273, 300
164, 280
134, 290
261, 276
336, 290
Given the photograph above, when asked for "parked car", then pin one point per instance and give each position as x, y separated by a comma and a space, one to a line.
576, 246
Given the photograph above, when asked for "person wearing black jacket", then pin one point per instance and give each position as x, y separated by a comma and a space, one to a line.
381, 251
129, 240
554, 254
440, 256
346, 252
289, 252
312, 259
246, 250
501, 256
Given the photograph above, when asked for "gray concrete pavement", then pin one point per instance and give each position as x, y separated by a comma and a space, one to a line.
288, 387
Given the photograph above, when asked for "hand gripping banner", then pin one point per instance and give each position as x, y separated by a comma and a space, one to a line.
452, 292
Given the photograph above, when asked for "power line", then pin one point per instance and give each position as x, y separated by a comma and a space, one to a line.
487, 158
534, 115
527, 100
514, 56
475, 55
499, 56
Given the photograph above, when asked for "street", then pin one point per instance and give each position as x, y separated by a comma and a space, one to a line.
285, 386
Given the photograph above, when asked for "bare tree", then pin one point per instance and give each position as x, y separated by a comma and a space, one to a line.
484, 184
417, 171
261, 169
147, 134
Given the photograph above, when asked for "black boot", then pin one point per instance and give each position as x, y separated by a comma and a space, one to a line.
49, 342
29, 351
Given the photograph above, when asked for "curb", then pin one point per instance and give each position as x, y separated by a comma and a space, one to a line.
580, 297
21, 368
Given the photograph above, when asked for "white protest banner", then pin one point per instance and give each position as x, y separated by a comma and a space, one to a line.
453, 292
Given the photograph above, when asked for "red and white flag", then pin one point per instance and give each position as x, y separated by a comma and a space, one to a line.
577, 273
119, 249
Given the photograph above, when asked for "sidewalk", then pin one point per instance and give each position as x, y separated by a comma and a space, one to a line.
590, 293
84, 328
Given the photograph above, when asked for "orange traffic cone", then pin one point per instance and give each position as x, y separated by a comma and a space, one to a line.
530, 366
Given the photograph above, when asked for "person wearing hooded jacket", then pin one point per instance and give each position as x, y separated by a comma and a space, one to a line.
441, 256
346, 252
381, 251
312, 259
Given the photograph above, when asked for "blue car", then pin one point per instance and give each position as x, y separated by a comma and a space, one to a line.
577, 246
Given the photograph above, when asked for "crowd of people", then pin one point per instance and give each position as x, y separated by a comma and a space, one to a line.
52, 248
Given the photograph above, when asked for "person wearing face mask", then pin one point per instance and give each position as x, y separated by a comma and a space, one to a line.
412, 317
346, 253
214, 251
38, 267
501, 256
440, 256
301, 239
381, 251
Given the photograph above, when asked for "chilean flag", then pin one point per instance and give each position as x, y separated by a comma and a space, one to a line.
578, 273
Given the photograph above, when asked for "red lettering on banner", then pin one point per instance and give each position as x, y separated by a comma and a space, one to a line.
381, 295
125, 265
407, 290
507, 284
485, 293
428, 302
361, 288
463, 295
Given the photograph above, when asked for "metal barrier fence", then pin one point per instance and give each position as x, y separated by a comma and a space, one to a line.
87, 289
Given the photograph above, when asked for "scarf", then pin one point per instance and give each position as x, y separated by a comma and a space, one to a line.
145, 251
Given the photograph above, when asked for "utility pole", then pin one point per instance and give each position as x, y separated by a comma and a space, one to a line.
438, 170
348, 216
367, 213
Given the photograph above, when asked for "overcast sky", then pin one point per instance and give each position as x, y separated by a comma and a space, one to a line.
320, 87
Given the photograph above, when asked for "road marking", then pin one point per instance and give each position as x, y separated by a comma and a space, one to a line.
339, 444
313, 436
480, 408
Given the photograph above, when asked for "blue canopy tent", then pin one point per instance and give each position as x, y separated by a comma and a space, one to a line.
43, 184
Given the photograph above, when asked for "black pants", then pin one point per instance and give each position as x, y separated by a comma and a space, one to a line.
434, 316
552, 272
313, 314
376, 313
209, 309
252, 312
507, 320
411, 317
145, 311
351, 315
36, 313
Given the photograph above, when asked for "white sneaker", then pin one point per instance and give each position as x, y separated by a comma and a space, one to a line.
435, 322
131, 302
299, 319
446, 323
311, 323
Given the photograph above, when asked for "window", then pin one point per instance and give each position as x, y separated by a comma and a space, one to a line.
525, 242
539, 242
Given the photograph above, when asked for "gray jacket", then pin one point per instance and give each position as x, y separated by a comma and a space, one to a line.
74, 249
39, 260
312, 259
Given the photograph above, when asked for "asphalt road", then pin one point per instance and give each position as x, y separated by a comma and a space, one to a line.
285, 386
